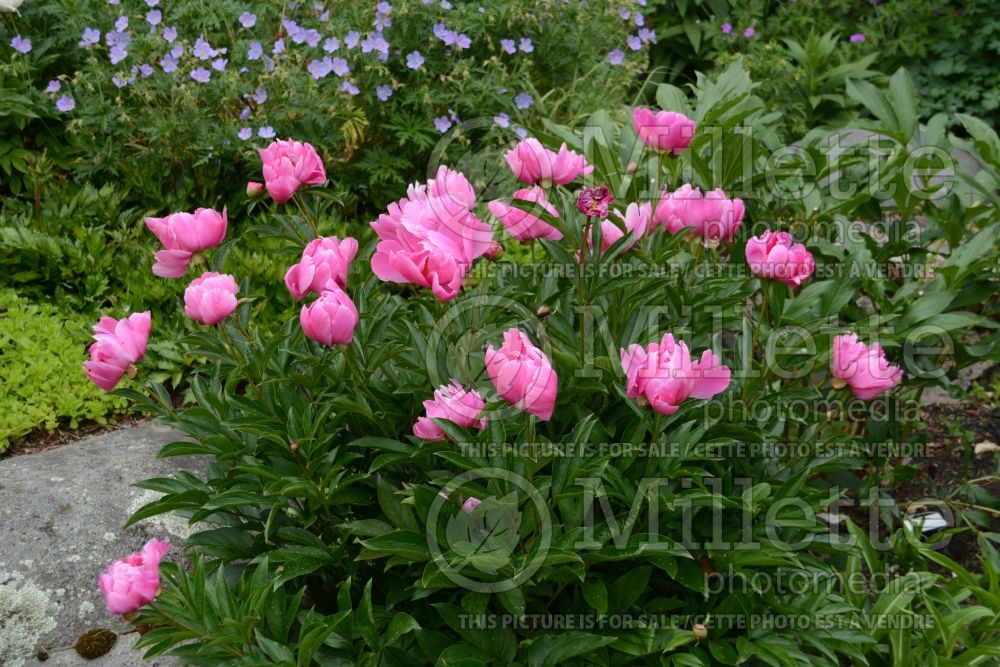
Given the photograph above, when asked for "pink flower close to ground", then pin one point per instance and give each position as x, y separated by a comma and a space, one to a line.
454, 403
431, 237
861, 367
666, 376
288, 165
534, 164
523, 375
712, 216
665, 131
133, 581
776, 256
184, 234
324, 263
210, 298
521, 224
330, 319
117, 345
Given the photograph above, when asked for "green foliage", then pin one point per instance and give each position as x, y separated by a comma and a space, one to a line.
41, 385
329, 535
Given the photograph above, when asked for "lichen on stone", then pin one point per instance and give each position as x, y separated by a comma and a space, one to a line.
23, 618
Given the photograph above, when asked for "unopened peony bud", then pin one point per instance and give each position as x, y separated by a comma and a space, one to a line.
294, 447
255, 190
470, 505
495, 251
543, 312
838, 383
699, 631
631, 168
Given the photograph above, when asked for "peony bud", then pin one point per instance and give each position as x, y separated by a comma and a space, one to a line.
699, 631
543, 312
255, 190
494, 251
470, 505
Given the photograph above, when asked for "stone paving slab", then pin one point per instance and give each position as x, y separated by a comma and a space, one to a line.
61, 517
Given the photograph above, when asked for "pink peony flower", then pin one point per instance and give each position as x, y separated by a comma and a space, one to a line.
210, 298
521, 224
523, 375
184, 234
452, 402
774, 255
666, 131
864, 369
665, 374
534, 164
288, 165
636, 221
324, 262
330, 319
117, 345
711, 216
594, 202
131, 582
431, 237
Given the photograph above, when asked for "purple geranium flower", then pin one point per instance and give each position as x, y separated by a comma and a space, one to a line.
90, 37
266, 132
245, 133
383, 92
339, 67
318, 68
727, 28
259, 96
349, 87
526, 45
414, 60
501, 120
255, 51
442, 123
634, 42
65, 104
352, 39
858, 38
54, 86
203, 50
154, 17
523, 100
117, 53
331, 45
201, 75
121, 23
168, 63
21, 44
169, 34
616, 57
248, 20
508, 45
219, 64
749, 32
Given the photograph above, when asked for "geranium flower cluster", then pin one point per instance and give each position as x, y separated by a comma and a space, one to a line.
147, 42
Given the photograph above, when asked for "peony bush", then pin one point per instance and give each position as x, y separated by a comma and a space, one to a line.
645, 410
